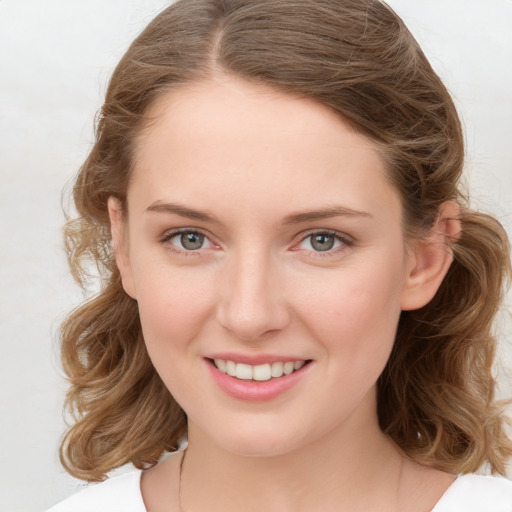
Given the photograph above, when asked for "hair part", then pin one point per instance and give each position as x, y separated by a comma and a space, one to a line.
436, 394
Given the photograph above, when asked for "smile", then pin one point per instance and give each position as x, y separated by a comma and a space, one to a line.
258, 382
261, 372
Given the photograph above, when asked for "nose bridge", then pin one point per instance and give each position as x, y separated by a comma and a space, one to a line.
252, 300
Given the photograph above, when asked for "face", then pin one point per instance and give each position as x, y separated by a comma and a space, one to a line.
262, 231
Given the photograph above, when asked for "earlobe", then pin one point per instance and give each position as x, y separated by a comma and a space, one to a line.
430, 258
120, 244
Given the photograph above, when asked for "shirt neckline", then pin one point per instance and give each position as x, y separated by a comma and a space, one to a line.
438, 504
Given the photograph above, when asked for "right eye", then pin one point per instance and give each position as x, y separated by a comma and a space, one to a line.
188, 240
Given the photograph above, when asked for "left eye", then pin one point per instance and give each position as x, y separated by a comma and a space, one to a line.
321, 242
189, 241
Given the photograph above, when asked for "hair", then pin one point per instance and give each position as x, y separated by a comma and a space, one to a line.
436, 396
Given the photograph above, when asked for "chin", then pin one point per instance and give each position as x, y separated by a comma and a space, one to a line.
260, 439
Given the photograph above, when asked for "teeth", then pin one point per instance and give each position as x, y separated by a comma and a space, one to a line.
260, 372
277, 369
243, 371
288, 368
230, 368
298, 365
221, 365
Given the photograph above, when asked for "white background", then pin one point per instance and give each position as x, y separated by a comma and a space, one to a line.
55, 59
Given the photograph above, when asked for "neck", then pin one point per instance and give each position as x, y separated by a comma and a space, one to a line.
355, 468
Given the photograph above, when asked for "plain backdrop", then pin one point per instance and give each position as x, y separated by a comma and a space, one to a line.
55, 60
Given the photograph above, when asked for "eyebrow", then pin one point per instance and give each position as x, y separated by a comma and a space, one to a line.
325, 213
294, 218
182, 211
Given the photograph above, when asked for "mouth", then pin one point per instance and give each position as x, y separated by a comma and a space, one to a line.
260, 372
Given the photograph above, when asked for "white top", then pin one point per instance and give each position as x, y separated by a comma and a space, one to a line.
468, 493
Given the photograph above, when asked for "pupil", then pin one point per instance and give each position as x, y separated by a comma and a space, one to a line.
322, 242
192, 241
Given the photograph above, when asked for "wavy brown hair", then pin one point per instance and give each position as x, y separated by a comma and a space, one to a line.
436, 394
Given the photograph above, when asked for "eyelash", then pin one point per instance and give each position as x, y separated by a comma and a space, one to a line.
346, 242
167, 237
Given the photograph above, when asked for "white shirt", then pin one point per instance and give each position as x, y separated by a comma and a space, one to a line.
468, 493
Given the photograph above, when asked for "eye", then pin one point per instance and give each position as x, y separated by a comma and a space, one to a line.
323, 241
188, 240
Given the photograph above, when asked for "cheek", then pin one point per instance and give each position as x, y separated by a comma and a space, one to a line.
355, 311
173, 305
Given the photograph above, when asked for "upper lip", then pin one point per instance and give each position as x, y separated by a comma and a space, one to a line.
254, 359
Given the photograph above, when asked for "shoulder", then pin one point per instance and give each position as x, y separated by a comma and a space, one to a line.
118, 494
477, 493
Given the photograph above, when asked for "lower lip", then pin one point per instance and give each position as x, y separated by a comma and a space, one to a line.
252, 390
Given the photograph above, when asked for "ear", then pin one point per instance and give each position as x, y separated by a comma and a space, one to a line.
430, 258
118, 230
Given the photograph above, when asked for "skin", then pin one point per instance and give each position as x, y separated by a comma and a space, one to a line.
250, 158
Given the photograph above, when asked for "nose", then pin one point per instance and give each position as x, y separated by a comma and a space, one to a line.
252, 301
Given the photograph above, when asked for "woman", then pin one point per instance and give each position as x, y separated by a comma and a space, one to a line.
293, 282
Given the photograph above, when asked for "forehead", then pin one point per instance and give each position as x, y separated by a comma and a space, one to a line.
227, 139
